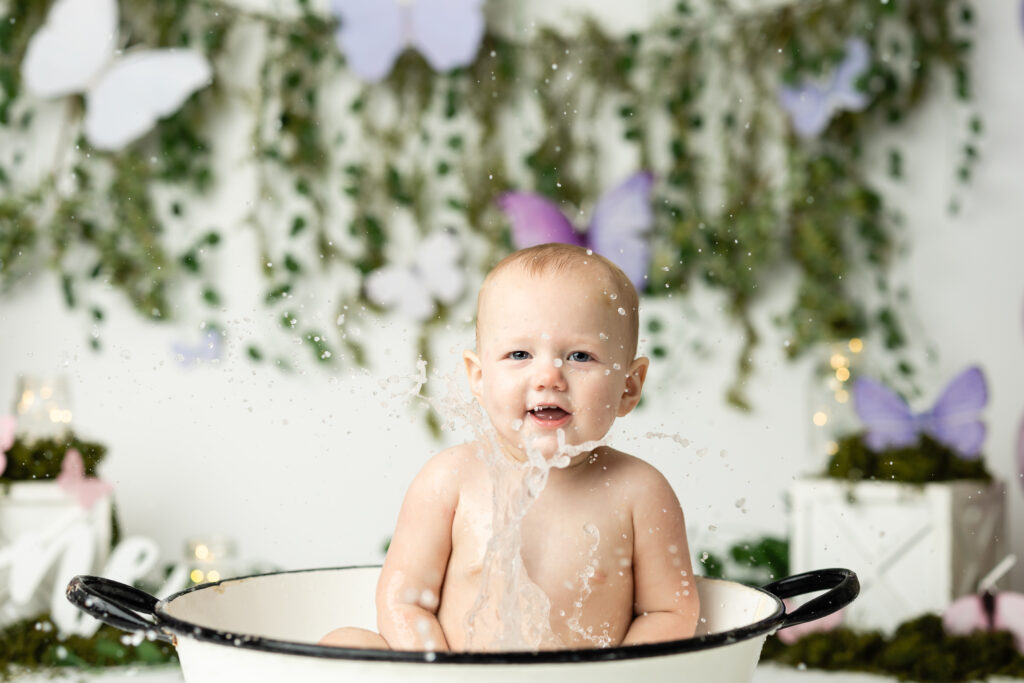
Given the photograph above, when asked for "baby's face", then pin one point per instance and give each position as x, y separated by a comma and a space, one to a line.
554, 354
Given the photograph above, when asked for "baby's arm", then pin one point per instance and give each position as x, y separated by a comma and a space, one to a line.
666, 605
408, 593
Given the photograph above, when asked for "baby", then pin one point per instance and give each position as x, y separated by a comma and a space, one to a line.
556, 339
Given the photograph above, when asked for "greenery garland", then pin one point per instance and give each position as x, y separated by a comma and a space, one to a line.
740, 196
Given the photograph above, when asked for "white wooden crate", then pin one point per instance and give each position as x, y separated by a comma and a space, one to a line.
914, 548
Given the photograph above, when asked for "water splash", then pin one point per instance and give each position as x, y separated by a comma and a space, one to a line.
513, 611
584, 576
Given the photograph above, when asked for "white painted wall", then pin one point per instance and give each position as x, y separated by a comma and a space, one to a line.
308, 469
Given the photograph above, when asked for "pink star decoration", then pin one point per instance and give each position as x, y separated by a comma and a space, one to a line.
72, 479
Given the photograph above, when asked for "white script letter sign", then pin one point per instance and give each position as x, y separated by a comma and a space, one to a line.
63, 549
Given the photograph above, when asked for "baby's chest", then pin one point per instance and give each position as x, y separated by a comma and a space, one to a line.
565, 548
585, 548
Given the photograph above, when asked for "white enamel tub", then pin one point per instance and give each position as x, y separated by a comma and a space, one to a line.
264, 629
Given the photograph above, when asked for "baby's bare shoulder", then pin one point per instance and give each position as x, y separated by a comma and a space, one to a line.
448, 468
625, 465
638, 476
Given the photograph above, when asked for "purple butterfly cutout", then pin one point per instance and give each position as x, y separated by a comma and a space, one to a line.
953, 420
373, 33
621, 220
811, 106
208, 350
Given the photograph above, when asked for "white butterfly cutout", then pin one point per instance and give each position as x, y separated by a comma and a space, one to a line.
412, 288
75, 51
373, 33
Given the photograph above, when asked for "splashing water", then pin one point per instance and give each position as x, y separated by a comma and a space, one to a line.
585, 575
510, 605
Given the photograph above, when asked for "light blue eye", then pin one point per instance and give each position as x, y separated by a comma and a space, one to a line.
518, 355
579, 356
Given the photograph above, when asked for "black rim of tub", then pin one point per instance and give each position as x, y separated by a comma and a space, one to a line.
133, 610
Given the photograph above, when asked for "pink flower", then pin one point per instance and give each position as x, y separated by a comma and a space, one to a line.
7, 425
794, 633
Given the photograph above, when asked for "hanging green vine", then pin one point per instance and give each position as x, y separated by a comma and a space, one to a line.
349, 177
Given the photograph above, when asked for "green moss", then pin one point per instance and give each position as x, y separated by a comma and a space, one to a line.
927, 461
34, 643
41, 459
919, 650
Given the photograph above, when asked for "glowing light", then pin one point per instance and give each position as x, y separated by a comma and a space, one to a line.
832, 448
842, 396
196, 576
820, 418
213, 575
842, 374
838, 360
856, 345
202, 552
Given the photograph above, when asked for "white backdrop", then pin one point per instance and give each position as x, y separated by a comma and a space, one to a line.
308, 469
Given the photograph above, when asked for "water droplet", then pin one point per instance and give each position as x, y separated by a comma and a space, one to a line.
622, 311
557, 362
428, 599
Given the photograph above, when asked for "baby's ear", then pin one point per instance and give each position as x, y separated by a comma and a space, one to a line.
474, 372
634, 385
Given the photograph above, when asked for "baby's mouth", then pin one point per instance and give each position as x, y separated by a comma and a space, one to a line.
549, 413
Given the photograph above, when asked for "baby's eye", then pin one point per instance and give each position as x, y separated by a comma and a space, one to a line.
518, 355
580, 356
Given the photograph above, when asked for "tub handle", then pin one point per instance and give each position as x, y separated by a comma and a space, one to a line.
118, 605
842, 586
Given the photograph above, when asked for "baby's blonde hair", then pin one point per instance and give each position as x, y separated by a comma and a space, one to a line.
556, 257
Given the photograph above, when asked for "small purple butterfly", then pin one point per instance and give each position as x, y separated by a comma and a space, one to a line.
953, 420
373, 34
811, 106
208, 350
622, 218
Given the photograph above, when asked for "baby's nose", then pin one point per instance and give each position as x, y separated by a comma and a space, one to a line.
550, 374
